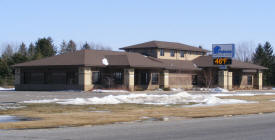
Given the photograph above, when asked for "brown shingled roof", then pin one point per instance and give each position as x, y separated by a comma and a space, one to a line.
165, 45
179, 65
94, 58
207, 61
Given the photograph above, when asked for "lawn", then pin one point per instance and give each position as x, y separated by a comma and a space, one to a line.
56, 115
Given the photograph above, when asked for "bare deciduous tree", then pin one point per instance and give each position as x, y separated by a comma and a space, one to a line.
244, 51
207, 75
96, 46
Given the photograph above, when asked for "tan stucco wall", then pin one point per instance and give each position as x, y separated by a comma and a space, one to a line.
177, 56
244, 84
180, 80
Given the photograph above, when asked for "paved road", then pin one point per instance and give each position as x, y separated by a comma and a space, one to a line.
251, 127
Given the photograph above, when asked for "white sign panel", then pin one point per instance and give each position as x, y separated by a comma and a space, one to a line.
223, 50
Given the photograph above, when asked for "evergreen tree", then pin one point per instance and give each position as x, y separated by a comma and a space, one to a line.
8, 52
268, 62
86, 46
31, 51
71, 46
45, 47
22, 49
264, 56
18, 58
258, 56
63, 47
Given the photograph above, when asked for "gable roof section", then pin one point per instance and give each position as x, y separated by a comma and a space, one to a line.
207, 61
164, 45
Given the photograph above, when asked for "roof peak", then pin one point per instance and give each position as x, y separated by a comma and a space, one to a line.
165, 45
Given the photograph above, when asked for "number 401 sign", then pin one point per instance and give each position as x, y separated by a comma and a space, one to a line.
222, 61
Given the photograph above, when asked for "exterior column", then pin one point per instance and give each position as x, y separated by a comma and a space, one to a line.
17, 77
223, 79
259, 80
166, 78
85, 78
129, 79
229, 80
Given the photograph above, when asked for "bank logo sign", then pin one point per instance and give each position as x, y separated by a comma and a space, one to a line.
223, 50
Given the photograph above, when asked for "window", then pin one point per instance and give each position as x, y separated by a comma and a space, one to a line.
145, 78
36, 78
27, 78
172, 53
96, 76
249, 80
161, 52
72, 78
194, 79
155, 78
58, 77
118, 77
181, 53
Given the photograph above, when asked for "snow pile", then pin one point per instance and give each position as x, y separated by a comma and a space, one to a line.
6, 89
109, 91
179, 98
105, 62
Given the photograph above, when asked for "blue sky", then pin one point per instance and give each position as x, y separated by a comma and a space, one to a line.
119, 23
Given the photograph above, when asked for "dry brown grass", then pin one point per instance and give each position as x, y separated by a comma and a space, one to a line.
54, 115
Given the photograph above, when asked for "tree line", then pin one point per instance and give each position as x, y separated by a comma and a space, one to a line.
43, 47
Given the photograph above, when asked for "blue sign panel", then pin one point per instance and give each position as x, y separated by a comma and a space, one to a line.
223, 50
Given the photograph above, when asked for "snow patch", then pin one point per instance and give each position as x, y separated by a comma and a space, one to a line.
105, 61
7, 118
179, 98
109, 91
176, 89
6, 89
42, 101
241, 94
218, 89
